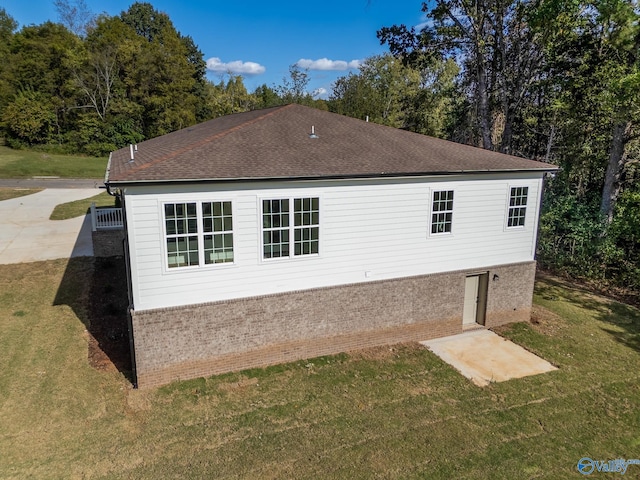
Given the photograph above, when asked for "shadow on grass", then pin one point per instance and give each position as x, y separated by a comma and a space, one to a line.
96, 290
624, 319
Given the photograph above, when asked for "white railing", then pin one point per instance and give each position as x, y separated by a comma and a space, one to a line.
105, 218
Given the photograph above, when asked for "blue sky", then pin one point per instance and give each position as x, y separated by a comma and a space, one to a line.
262, 39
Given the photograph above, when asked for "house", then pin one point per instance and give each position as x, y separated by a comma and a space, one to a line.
289, 233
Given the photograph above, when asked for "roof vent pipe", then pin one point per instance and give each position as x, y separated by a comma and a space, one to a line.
131, 159
313, 132
367, 120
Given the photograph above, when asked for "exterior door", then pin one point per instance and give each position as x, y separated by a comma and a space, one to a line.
475, 299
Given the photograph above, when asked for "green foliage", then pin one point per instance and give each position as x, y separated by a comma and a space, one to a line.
29, 119
227, 98
266, 97
575, 240
570, 236
392, 93
624, 233
294, 88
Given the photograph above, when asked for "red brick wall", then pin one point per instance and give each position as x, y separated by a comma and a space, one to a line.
207, 339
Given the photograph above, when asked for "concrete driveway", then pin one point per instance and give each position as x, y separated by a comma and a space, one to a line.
27, 234
484, 357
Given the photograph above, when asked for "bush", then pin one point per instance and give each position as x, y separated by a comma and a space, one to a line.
574, 240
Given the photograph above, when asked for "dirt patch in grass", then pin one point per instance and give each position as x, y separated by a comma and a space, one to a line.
545, 321
241, 384
542, 320
385, 352
107, 328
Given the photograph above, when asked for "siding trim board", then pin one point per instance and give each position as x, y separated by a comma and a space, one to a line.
391, 176
178, 343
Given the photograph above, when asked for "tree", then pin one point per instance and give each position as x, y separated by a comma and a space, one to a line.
402, 96
230, 97
381, 91
8, 26
147, 22
498, 52
76, 16
294, 88
29, 119
593, 56
266, 97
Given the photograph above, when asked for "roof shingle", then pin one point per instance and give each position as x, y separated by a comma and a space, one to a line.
276, 143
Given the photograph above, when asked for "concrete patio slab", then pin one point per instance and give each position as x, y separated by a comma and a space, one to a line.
485, 357
27, 234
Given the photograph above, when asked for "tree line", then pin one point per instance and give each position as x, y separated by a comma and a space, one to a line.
92, 84
552, 80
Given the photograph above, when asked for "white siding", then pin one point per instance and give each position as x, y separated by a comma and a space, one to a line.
369, 230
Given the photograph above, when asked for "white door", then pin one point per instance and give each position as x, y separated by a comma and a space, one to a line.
471, 287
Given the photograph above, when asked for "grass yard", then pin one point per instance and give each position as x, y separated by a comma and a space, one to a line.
8, 193
392, 412
28, 163
78, 208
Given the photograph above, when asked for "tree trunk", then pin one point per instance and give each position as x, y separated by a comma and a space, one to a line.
614, 169
483, 107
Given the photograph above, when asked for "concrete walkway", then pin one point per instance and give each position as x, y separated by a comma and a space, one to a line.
27, 234
484, 357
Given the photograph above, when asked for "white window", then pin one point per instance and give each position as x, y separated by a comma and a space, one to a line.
517, 206
181, 223
218, 232
198, 233
279, 231
442, 212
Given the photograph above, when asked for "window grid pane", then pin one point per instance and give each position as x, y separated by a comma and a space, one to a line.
275, 227
517, 206
442, 212
217, 221
306, 217
181, 223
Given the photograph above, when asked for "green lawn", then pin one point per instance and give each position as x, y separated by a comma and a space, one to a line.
391, 412
8, 193
27, 163
78, 208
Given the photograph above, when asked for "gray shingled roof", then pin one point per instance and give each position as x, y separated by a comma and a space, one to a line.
275, 143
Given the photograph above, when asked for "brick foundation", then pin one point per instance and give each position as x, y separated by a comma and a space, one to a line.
207, 339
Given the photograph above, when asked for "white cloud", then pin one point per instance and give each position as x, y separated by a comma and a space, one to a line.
426, 22
320, 93
239, 67
326, 64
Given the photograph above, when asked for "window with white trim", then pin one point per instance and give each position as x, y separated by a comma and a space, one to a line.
517, 206
278, 231
198, 233
181, 223
217, 226
442, 212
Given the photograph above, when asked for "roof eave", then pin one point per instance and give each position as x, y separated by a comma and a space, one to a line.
108, 170
550, 168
